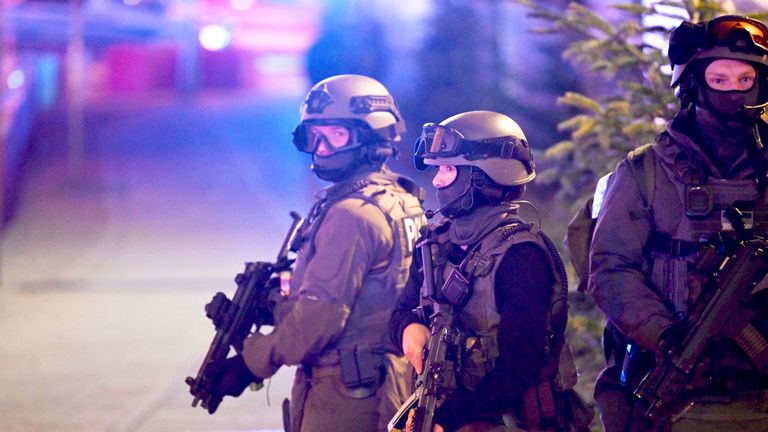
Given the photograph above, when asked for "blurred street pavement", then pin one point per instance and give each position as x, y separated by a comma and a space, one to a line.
106, 267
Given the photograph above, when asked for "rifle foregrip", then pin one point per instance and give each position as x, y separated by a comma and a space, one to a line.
661, 388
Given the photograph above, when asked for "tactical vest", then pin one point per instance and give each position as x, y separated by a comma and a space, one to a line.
367, 324
479, 318
674, 246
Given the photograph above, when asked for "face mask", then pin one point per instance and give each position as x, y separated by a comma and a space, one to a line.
732, 102
729, 106
457, 199
336, 167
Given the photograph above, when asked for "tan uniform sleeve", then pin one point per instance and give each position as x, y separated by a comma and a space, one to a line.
353, 240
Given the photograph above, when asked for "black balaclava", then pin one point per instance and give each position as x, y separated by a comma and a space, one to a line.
724, 126
471, 190
458, 198
338, 166
728, 106
344, 164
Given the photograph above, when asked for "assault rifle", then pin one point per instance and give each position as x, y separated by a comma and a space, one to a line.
249, 309
438, 375
722, 310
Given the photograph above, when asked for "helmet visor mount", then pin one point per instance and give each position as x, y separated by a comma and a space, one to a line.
372, 103
437, 141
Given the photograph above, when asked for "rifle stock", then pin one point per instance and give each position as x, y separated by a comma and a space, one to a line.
725, 312
248, 310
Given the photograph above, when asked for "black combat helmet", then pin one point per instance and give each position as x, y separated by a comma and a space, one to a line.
726, 37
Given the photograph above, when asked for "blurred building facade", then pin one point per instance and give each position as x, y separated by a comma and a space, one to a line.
439, 57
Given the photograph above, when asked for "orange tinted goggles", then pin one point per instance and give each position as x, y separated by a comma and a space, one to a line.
729, 29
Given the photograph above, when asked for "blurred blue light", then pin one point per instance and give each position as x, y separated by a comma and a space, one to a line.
15, 79
131, 2
47, 80
214, 37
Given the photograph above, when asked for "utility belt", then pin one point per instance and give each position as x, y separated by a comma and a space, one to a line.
358, 375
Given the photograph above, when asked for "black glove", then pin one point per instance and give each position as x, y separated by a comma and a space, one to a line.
672, 337
229, 377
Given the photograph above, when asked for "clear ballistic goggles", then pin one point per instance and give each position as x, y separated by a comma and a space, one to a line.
738, 33
336, 135
438, 141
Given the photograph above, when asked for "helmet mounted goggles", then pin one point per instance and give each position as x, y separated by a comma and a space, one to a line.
360, 131
437, 141
308, 135
736, 33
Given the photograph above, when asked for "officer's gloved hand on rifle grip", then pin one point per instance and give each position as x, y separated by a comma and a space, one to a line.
229, 377
671, 339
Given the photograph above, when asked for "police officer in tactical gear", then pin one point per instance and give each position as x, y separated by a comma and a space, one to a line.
514, 357
710, 158
353, 261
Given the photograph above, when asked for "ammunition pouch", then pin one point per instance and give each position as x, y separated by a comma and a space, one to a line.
552, 404
456, 289
538, 409
546, 409
362, 372
477, 358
